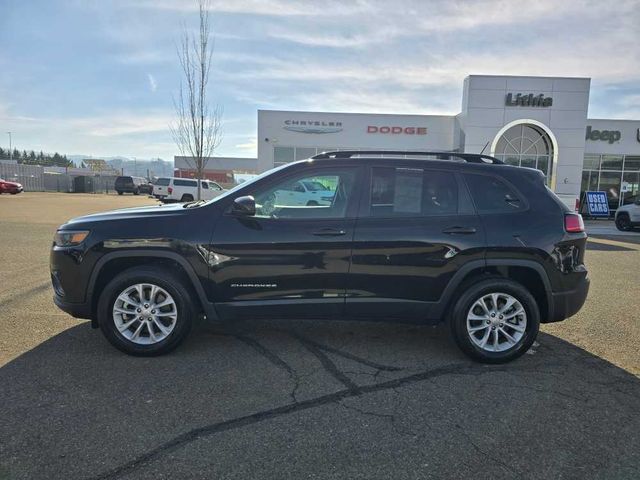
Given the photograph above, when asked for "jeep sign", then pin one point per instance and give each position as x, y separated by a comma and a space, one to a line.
603, 135
527, 100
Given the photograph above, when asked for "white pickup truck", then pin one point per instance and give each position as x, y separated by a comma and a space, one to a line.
308, 193
172, 189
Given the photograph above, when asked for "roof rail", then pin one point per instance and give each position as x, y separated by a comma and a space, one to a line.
467, 157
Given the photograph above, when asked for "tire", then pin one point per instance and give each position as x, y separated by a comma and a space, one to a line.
119, 192
312, 203
467, 306
148, 343
186, 198
623, 223
136, 191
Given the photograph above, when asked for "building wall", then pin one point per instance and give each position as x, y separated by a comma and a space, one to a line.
485, 113
276, 129
218, 164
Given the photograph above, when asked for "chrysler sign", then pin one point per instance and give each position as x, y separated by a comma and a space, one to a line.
312, 126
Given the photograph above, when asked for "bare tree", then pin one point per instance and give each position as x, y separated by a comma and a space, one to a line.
197, 130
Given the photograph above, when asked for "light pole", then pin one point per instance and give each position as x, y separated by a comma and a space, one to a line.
10, 147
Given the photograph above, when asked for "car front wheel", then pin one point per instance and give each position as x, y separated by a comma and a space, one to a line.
623, 223
495, 320
145, 311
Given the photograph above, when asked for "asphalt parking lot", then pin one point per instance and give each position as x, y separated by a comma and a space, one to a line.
309, 399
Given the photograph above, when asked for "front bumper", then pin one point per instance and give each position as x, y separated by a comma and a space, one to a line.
566, 304
77, 310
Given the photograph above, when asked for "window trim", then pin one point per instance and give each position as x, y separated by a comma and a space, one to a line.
523, 198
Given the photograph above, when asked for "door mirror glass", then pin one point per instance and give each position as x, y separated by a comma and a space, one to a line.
244, 206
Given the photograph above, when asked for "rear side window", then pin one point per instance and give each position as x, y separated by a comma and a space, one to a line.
124, 180
184, 183
412, 192
163, 182
492, 195
205, 185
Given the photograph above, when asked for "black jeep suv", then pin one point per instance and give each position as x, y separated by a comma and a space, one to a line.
405, 236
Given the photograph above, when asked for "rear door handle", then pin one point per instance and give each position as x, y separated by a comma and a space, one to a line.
459, 230
329, 232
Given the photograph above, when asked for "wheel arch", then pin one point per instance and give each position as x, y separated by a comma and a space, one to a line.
113, 263
528, 273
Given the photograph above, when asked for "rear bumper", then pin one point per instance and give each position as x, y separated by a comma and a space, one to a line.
566, 304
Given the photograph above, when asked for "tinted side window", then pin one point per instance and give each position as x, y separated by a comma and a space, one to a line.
184, 183
412, 192
162, 182
205, 185
492, 195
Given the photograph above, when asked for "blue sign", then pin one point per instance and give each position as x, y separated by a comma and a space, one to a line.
598, 204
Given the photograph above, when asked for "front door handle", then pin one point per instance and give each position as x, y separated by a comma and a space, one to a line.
459, 230
329, 232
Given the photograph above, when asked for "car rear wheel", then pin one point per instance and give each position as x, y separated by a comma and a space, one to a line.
145, 311
119, 192
623, 223
495, 320
312, 203
186, 198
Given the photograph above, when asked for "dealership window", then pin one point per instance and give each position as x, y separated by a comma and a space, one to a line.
616, 175
303, 153
412, 192
282, 155
526, 145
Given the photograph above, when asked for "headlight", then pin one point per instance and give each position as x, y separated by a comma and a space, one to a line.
69, 238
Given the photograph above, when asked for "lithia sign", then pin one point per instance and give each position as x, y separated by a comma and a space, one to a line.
527, 100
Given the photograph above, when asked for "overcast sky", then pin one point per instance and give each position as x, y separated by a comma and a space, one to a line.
98, 77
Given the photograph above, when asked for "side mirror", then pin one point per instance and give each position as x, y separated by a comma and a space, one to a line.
244, 206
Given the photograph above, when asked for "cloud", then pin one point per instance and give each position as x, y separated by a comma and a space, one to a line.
249, 147
153, 85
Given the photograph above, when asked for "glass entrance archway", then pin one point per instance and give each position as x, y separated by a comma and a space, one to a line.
526, 145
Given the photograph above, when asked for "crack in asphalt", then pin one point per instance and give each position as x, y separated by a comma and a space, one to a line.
347, 355
274, 359
488, 455
203, 432
326, 362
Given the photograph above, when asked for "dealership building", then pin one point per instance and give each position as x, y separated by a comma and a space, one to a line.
538, 122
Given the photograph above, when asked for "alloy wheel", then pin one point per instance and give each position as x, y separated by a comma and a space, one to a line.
145, 313
496, 322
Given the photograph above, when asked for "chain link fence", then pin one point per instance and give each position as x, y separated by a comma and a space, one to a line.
35, 178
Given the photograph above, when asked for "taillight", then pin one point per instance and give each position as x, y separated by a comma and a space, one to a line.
170, 190
577, 207
573, 223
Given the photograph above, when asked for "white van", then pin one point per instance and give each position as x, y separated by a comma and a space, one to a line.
172, 189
